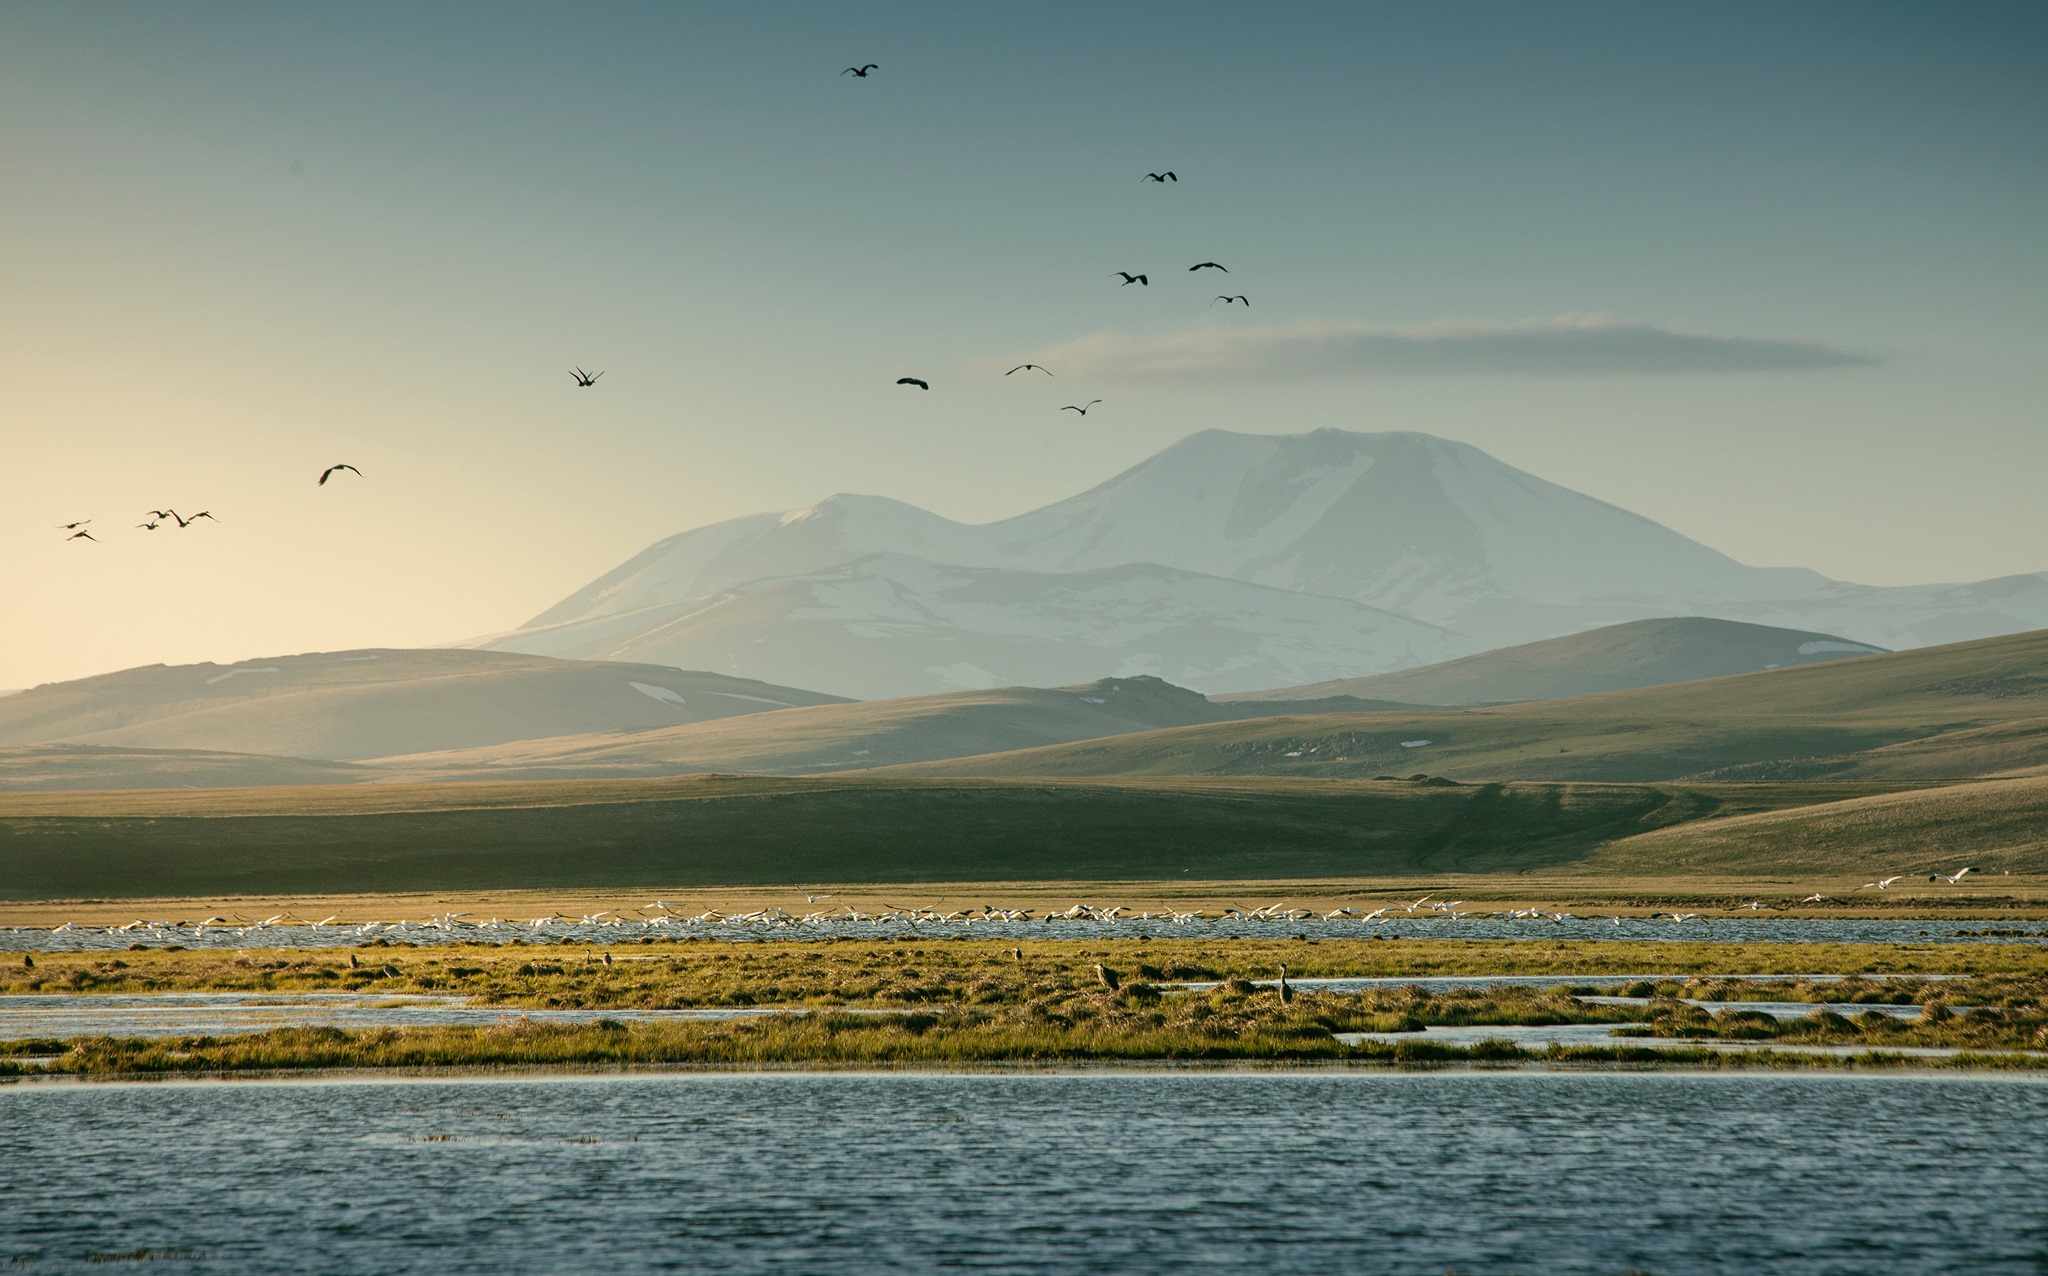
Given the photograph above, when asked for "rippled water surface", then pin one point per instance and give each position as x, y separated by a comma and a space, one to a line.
1103, 1172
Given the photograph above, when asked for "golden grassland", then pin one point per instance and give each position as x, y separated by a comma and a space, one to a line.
961, 1002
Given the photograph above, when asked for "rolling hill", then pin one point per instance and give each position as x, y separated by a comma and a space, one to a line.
1831, 715
858, 735
333, 706
1639, 653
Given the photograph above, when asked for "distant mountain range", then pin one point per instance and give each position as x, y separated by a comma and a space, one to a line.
1226, 563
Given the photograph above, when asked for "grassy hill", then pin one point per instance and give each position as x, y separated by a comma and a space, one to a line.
735, 830
856, 735
1961, 707
85, 766
360, 704
1641, 653
1991, 824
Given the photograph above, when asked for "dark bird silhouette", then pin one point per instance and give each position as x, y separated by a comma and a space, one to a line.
1227, 300
860, 72
922, 385
1286, 993
1109, 978
160, 513
1082, 410
326, 473
1130, 278
83, 535
586, 379
1168, 176
1210, 265
150, 526
187, 522
72, 527
352, 962
1020, 367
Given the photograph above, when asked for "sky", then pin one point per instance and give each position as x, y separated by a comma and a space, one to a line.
1775, 275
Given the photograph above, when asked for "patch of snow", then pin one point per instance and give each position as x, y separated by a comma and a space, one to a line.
223, 677
653, 692
1295, 754
1413, 744
1815, 648
734, 695
861, 753
1095, 700
352, 660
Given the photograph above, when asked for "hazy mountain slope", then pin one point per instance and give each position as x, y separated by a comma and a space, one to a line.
1649, 734
891, 625
354, 704
1641, 653
79, 766
1436, 531
842, 737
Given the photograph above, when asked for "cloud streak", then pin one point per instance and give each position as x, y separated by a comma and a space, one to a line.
1567, 346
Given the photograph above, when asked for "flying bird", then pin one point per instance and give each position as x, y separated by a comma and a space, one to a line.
1082, 410
1209, 265
1884, 884
860, 72
329, 471
1957, 876
187, 522
922, 385
72, 527
1130, 278
1240, 297
82, 535
150, 526
1022, 366
1167, 176
586, 379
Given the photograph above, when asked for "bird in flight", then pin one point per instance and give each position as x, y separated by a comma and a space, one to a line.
326, 473
860, 72
1022, 366
187, 522
1884, 884
922, 385
150, 526
585, 379
72, 527
1168, 176
1238, 298
1083, 410
83, 535
1130, 278
1209, 265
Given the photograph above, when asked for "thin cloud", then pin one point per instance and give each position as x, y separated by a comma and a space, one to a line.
1571, 345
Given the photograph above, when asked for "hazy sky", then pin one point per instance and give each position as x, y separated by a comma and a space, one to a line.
1774, 274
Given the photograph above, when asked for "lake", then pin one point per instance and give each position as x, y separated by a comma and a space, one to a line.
1112, 1171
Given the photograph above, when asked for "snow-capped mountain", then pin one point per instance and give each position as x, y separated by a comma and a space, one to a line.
1226, 562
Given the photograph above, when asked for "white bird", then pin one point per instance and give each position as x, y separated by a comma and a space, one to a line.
1817, 898
1882, 885
1957, 876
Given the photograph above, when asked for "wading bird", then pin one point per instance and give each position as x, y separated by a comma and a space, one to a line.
1107, 977
1168, 176
922, 385
1286, 993
586, 379
1022, 366
1130, 278
329, 472
1209, 265
861, 72
1083, 410
1240, 298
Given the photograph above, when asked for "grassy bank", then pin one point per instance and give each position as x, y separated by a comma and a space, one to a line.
957, 1003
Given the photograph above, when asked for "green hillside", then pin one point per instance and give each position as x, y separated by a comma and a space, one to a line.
1640, 653
1840, 710
735, 830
